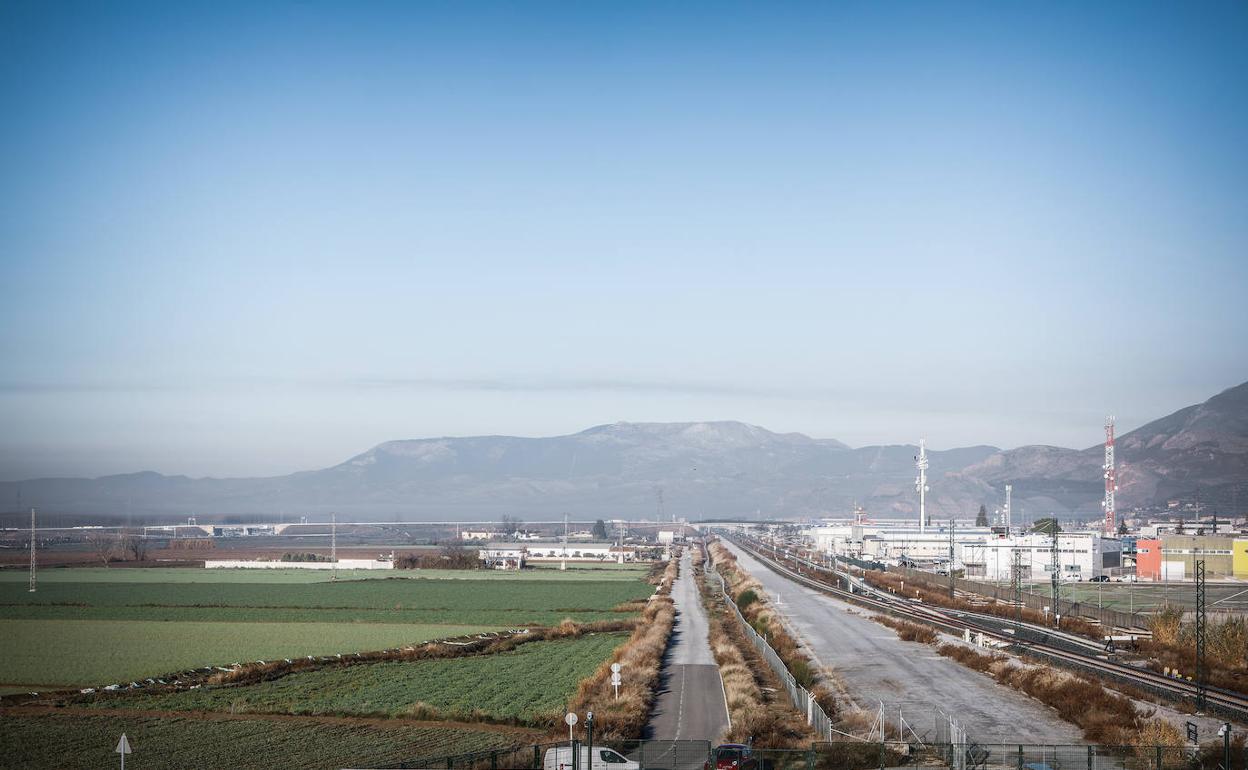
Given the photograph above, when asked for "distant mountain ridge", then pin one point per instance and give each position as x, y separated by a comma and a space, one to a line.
697, 468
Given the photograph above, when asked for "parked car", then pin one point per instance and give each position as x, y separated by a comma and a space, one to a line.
560, 758
1099, 579
733, 756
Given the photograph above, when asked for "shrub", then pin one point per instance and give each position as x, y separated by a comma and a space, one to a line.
746, 598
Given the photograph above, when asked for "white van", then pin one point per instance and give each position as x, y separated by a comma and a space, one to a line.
560, 758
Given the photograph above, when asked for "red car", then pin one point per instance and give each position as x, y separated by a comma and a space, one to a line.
732, 756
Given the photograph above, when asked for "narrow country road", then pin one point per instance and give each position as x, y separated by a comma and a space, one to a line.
878, 668
690, 704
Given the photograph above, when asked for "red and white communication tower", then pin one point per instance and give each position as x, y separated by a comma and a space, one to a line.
1111, 478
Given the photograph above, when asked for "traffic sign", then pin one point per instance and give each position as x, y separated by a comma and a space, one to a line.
615, 668
570, 719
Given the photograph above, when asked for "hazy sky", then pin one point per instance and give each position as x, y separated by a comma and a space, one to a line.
254, 238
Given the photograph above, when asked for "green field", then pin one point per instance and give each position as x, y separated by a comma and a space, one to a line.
75, 742
531, 682
101, 630
510, 603
595, 572
44, 654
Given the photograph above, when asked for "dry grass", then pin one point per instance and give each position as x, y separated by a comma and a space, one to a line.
1104, 717
1174, 646
762, 616
766, 718
907, 631
641, 658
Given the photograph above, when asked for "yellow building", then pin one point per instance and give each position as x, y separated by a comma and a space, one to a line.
1239, 559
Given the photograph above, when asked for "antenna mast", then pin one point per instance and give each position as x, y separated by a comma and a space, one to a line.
1111, 478
563, 564
1009, 488
32, 550
920, 483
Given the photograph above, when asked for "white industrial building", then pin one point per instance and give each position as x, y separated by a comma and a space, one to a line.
1080, 556
547, 551
340, 564
983, 552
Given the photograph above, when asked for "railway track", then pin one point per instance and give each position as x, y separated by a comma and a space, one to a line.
1069, 651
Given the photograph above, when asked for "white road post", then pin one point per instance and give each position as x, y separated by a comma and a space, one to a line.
615, 679
123, 748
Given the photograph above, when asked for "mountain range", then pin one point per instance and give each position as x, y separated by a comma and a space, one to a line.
713, 469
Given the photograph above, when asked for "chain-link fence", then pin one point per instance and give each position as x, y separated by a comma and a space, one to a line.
841, 755
801, 698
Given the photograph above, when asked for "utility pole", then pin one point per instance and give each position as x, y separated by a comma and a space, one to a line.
563, 563
952, 527
1111, 479
1009, 489
333, 544
1056, 579
920, 483
32, 550
1202, 672
1017, 574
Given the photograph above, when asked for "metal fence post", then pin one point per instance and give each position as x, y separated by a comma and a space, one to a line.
1158, 758
494, 760
537, 761
810, 757
1089, 758
1020, 756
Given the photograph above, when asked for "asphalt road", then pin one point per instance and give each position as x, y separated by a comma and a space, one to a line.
876, 667
690, 703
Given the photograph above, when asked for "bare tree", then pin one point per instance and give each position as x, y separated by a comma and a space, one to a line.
510, 524
103, 544
134, 546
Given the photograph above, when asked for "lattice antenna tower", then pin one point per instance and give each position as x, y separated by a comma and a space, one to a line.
32, 550
920, 483
1111, 478
1202, 618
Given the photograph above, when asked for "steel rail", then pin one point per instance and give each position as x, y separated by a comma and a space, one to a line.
1230, 702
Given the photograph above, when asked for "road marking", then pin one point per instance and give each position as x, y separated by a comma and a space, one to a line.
1232, 596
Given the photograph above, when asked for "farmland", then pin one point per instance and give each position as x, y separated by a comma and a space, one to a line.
47, 654
106, 625
529, 684
541, 571
76, 741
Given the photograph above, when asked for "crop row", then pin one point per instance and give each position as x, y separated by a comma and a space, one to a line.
381, 594
49, 653
72, 742
529, 684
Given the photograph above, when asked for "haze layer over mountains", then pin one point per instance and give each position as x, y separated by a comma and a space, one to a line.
713, 469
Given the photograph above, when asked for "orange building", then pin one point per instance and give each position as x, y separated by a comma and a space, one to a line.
1148, 559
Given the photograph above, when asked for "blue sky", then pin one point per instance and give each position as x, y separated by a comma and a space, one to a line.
252, 238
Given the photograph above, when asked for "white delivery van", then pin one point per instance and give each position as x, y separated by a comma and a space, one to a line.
560, 758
